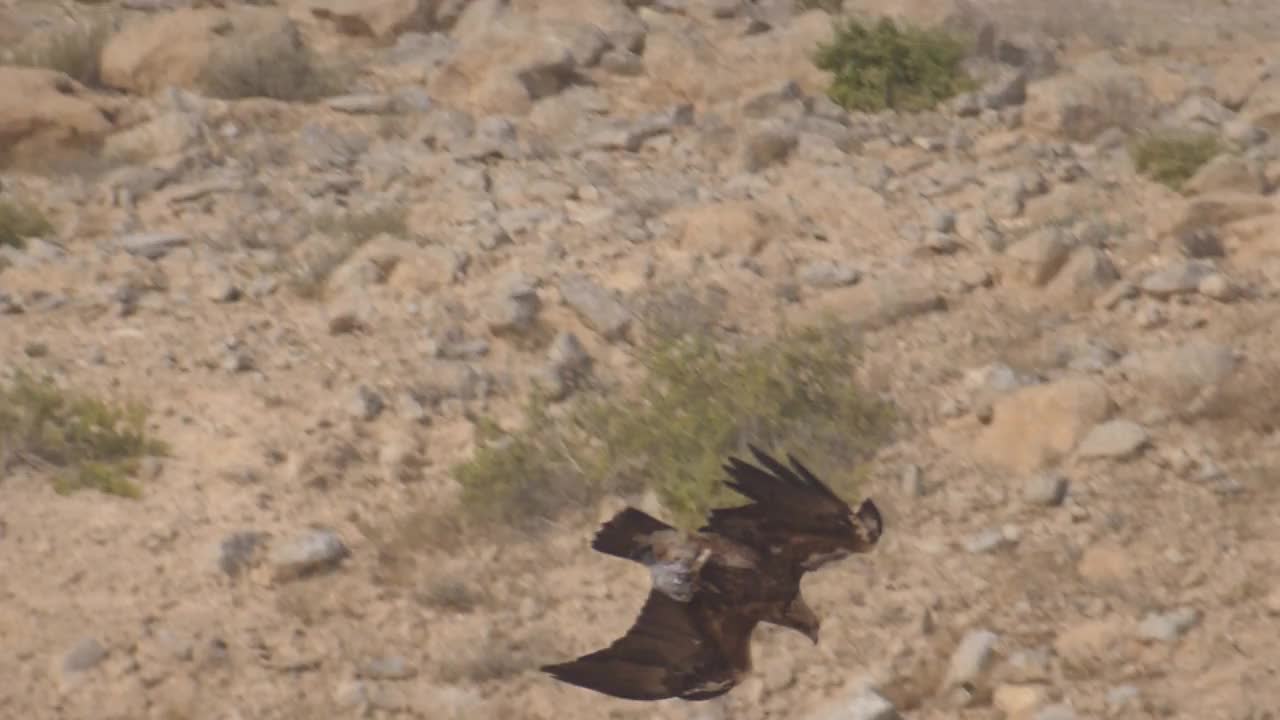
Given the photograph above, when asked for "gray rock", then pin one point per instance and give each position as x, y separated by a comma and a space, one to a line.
1048, 489
516, 307
155, 245
863, 704
85, 655
567, 363
828, 274
1041, 255
971, 658
387, 668
597, 307
1058, 711
1123, 696
1116, 439
1176, 278
313, 552
1169, 626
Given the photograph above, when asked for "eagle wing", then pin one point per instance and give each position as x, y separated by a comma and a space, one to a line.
792, 513
674, 649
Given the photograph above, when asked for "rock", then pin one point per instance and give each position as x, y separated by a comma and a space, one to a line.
507, 66
178, 48
1122, 697
735, 226
1200, 243
1033, 426
567, 363
314, 552
1218, 287
891, 299
828, 274
1048, 488
516, 306
362, 103
1057, 711
153, 246
86, 655
1227, 172
1115, 439
597, 307
56, 115
367, 404
971, 658
1166, 627
863, 704
1098, 94
1038, 257
383, 19
1018, 701
1176, 278
1177, 376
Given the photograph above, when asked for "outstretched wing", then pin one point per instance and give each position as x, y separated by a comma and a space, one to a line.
667, 653
793, 513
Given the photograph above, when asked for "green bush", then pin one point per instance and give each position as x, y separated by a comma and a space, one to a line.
698, 402
19, 222
890, 67
85, 441
1172, 158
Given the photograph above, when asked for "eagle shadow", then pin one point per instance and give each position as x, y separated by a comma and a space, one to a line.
710, 588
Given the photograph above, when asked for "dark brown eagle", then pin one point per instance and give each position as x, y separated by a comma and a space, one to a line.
692, 639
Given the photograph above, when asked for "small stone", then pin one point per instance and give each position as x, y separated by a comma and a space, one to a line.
367, 404
1122, 696
986, 541
1218, 287
1017, 701
971, 658
153, 246
1115, 439
912, 481
866, 704
84, 656
314, 552
1177, 278
1166, 627
597, 307
1056, 712
828, 274
388, 668
1048, 489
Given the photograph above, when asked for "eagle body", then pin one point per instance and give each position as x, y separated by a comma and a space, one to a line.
710, 588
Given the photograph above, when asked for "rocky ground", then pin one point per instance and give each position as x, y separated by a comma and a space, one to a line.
315, 292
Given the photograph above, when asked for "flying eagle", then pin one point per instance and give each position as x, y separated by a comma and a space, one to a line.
692, 639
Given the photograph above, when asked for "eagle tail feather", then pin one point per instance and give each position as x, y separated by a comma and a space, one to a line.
620, 536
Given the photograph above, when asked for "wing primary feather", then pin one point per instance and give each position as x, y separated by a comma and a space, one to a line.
813, 479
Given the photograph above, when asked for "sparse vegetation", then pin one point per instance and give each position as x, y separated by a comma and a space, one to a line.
290, 72
1172, 158
887, 66
87, 442
19, 222
452, 594
349, 231
76, 51
699, 400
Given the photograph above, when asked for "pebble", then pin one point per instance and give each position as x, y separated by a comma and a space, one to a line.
1115, 439
308, 554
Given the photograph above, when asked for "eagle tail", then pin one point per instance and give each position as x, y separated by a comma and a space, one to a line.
620, 536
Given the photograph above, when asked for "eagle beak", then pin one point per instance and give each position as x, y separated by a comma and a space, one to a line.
812, 634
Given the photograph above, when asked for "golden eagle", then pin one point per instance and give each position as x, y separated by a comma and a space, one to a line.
692, 639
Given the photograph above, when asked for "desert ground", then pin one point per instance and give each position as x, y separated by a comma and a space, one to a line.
330, 330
